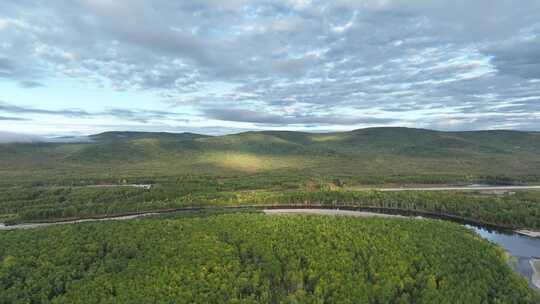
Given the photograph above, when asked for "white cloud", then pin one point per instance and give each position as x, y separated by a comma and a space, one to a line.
3, 24
11, 137
394, 58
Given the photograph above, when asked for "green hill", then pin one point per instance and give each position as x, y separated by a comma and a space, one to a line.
373, 155
127, 135
47, 180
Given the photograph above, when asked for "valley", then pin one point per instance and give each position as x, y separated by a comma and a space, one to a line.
119, 184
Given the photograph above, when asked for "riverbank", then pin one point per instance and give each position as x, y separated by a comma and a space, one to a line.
38, 225
529, 233
535, 265
329, 212
314, 206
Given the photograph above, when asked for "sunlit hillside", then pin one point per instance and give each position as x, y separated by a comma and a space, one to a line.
376, 155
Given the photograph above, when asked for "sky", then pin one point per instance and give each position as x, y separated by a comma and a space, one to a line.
79, 67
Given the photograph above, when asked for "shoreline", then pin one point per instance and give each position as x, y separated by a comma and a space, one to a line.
529, 233
535, 265
25, 226
367, 209
337, 212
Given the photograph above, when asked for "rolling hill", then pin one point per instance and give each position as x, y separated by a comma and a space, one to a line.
400, 155
58, 180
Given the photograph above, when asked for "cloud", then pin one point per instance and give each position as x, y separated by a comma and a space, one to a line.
9, 137
336, 63
10, 108
490, 121
13, 137
136, 115
140, 115
259, 117
520, 59
29, 84
12, 118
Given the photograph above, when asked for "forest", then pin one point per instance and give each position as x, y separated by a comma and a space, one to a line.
363, 156
270, 151
26, 204
255, 258
208, 256
51, 181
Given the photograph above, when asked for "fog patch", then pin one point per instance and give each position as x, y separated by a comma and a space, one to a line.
11, 137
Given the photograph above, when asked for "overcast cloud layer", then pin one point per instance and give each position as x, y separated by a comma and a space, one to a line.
298, 64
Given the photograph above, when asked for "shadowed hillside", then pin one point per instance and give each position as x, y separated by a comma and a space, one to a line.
54, 180
367, 155
115, 136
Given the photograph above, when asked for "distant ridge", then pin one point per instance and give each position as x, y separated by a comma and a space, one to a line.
392, 153
131, 135
370, 130
360, 143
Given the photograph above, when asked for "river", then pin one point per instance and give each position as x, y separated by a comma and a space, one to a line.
522, 248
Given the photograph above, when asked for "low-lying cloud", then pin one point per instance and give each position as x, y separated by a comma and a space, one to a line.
9, 137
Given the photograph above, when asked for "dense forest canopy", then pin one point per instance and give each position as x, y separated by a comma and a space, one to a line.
375, 155
521, 210
252, 258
